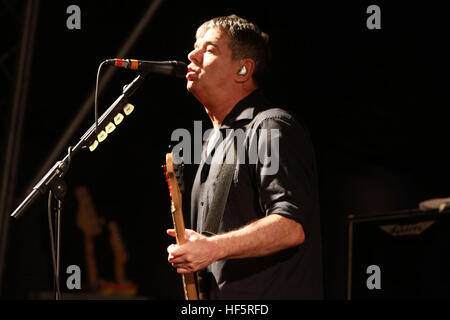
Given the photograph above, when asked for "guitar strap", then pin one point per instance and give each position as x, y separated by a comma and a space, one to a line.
223, 184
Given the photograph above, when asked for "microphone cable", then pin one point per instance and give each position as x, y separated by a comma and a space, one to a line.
96, 96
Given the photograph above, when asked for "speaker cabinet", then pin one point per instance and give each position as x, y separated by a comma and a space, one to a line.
400, 255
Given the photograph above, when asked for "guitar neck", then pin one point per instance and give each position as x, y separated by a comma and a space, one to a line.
120, 254
189, 284
190, 287
119, 271
90, 262
178, 223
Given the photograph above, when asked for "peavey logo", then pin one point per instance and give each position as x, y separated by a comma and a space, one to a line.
398, 230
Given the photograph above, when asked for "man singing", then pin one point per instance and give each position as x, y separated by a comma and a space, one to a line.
268, 242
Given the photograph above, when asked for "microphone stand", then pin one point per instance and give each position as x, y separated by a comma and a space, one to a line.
61, 188
53, 178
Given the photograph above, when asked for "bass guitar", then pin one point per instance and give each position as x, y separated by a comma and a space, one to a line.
174, 177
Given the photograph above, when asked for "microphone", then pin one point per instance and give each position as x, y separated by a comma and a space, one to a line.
170, 68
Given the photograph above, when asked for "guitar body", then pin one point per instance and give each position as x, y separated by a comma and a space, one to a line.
189, 283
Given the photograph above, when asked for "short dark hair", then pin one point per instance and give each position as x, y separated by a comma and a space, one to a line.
246, 41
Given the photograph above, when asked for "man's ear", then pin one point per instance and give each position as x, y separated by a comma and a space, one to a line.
245, 71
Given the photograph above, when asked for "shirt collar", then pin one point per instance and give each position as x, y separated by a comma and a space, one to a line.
245, 109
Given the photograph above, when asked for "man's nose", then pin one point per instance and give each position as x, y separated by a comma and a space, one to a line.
194, 56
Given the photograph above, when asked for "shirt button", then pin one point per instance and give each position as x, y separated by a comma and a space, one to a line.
202, 203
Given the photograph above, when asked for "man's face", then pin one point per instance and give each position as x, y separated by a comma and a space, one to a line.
211, 68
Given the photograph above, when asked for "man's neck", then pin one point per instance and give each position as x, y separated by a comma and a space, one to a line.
218, 109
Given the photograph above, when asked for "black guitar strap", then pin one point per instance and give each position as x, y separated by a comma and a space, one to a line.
223, 184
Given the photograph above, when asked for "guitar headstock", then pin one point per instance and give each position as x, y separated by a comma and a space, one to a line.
174, 172
87, 219
178, 167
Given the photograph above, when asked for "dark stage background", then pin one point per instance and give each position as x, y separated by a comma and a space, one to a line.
375, 101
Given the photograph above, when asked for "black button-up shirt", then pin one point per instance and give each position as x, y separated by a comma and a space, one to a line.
283, 182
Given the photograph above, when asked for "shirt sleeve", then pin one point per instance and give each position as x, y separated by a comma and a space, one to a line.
286, 170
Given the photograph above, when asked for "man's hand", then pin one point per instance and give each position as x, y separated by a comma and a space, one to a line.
195, 254
262, 237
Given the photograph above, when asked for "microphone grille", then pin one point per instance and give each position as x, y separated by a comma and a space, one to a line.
180, 69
